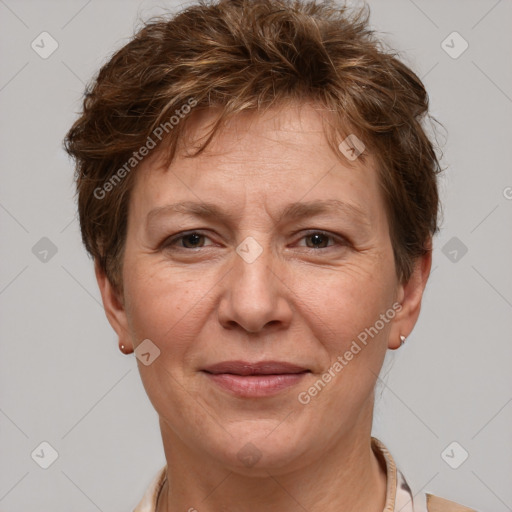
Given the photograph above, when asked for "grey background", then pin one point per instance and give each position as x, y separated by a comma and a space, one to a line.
62, 377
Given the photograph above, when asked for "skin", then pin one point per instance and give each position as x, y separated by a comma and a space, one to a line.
296, 302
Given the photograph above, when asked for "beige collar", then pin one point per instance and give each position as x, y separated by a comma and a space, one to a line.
399, 496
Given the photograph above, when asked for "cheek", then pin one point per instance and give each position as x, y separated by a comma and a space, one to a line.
342, 303
164, 304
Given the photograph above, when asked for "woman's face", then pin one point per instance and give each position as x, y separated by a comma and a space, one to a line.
294, 265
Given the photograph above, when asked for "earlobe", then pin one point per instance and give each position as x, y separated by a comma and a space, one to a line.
410, 294
114, 309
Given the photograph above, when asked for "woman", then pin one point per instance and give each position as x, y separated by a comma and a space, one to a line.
259, 196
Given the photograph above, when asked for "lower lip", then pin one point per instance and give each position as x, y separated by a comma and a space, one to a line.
256, 385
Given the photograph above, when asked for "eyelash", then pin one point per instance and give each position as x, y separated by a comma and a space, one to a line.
169, 243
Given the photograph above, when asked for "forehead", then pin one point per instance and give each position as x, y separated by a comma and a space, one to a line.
270, 159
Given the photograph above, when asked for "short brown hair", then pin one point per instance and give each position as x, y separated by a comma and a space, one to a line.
251, 55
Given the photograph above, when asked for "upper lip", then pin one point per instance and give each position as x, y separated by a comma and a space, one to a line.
259, 368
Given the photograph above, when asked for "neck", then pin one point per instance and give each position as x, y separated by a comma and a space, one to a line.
348, 477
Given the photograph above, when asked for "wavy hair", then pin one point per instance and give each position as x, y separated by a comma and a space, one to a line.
241, 55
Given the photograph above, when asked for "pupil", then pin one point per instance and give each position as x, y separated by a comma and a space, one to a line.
193, 238
317, 238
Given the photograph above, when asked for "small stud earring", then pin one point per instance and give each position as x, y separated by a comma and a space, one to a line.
402, 339
123, 349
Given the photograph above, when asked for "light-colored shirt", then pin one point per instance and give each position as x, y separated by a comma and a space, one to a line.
399, 497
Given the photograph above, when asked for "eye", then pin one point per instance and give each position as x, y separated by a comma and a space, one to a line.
195, 240
320, 240
190, 240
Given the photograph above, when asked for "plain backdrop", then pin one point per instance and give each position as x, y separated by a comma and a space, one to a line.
445, 396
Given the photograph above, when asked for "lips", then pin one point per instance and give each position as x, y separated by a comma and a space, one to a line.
244, 368
255, 380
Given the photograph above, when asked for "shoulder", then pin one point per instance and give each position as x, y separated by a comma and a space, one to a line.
435, 504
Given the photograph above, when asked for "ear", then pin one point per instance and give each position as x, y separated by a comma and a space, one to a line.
113, 304
409, 296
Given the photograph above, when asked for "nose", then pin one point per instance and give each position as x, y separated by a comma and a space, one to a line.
255, 295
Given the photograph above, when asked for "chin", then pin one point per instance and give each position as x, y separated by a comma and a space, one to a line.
259, 455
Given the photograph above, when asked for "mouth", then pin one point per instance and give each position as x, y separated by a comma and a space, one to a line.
244, 368
259, 379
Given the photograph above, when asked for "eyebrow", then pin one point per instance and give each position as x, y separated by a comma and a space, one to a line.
292, 211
